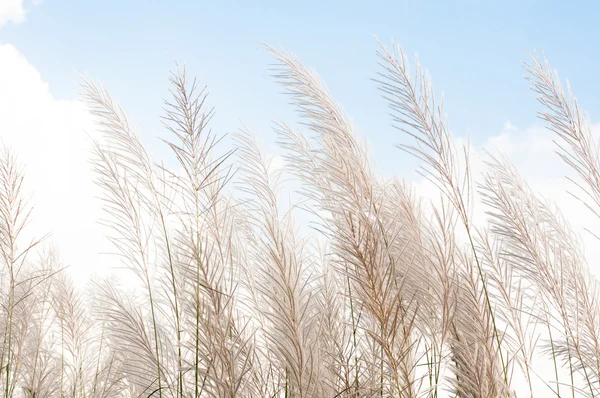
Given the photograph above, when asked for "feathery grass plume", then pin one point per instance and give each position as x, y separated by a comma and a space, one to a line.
177, 234
131, 331
289, 295
133, 203
339, 338
18, 281
417, 114
373, 237
354, 379
25, 326
73, 327
88, 366
474, 350
438, 244
577, 146
207, 245
517, 305
41, 365
539, 244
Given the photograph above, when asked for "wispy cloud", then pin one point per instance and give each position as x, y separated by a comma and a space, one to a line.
13, 11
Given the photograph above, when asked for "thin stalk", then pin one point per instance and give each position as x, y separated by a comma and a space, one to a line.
11, 299
554, 361
156, 342
175, 300
354, 328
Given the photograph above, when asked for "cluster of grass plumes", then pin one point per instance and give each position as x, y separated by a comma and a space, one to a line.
387, 298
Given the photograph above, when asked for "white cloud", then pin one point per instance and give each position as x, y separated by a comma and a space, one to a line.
13, 10
49, 139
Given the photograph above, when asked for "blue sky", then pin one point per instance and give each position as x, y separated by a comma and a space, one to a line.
473, 50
